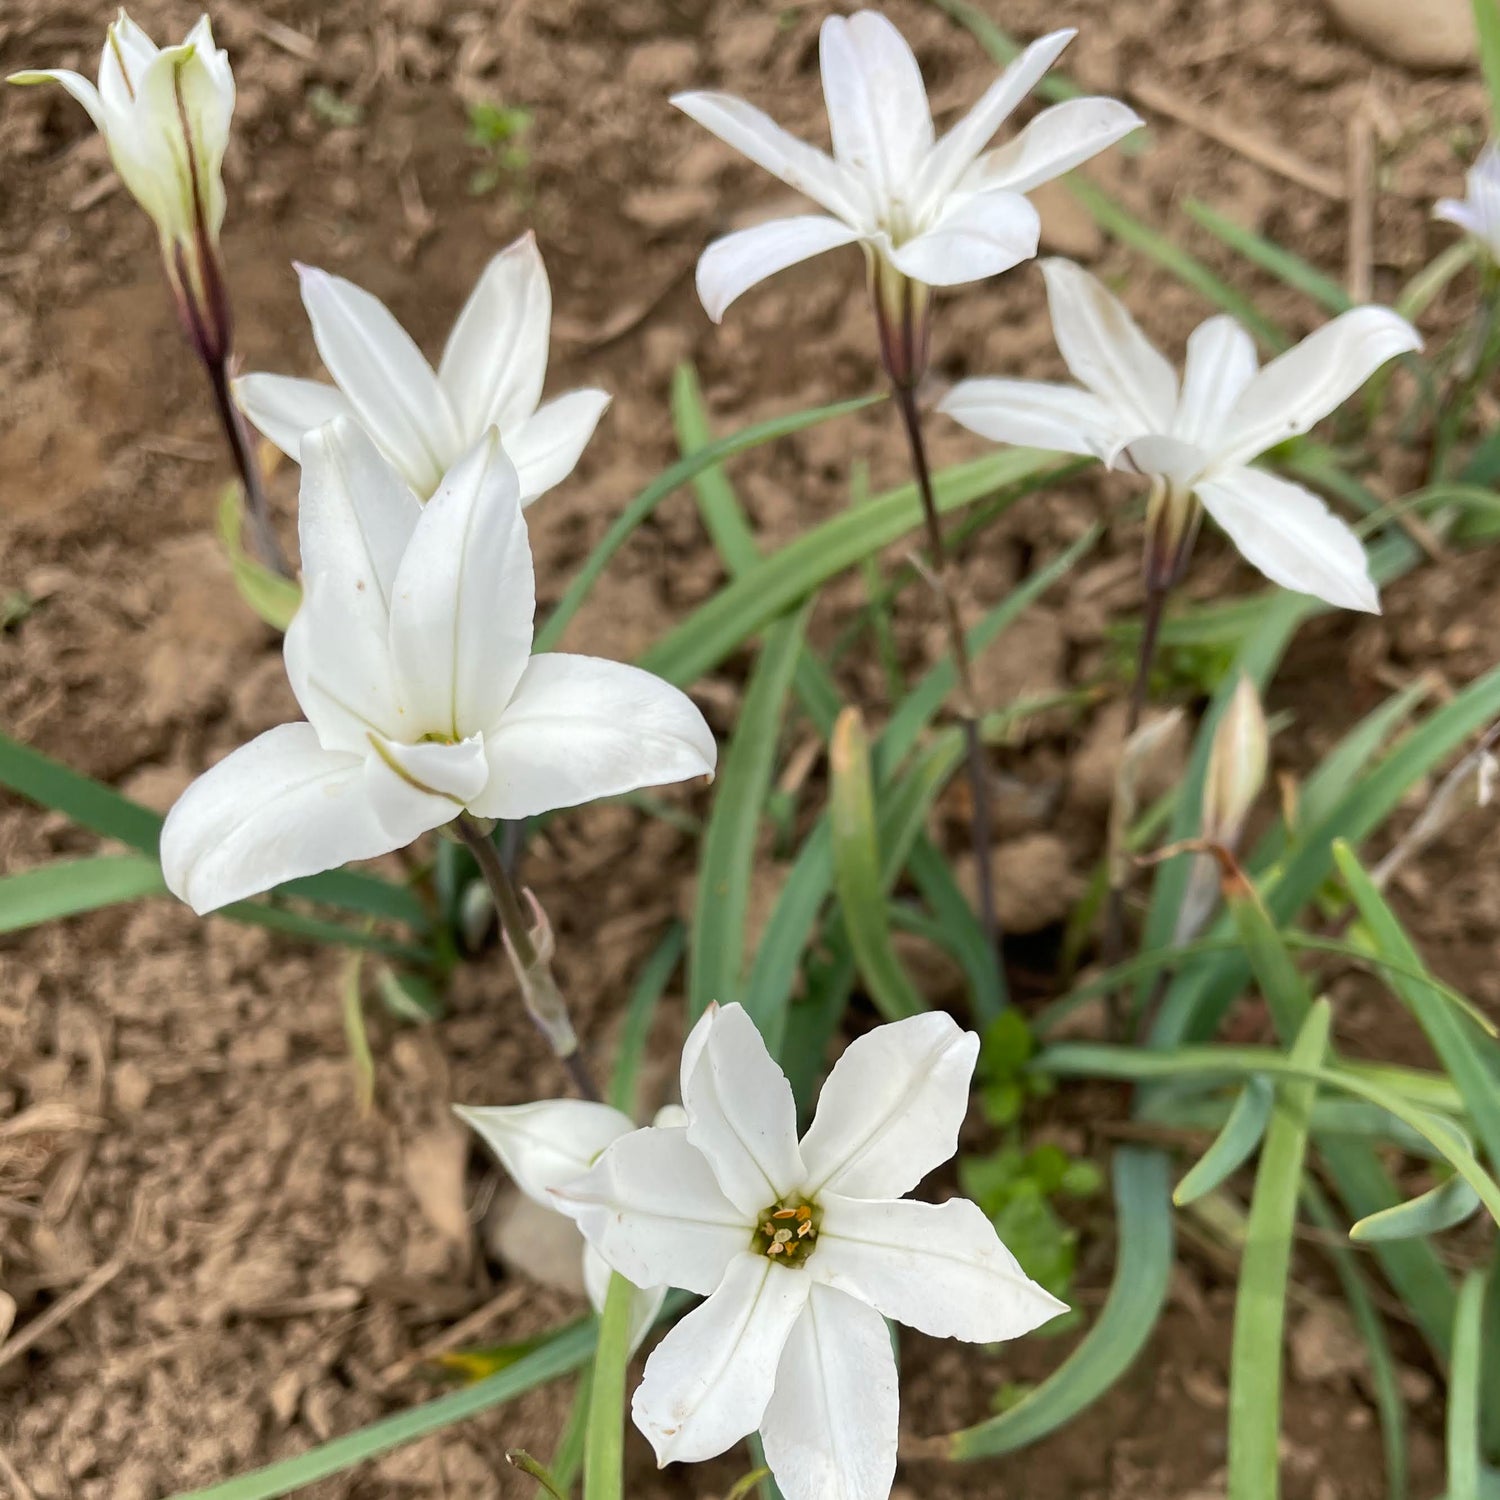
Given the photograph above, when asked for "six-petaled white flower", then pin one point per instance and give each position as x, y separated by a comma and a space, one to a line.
802, 1249
939, 212
411, 657
490, 375
549, 1145
1478, 211
1199, 439
164, 114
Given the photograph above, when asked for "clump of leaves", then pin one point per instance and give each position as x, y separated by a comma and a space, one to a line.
499, 131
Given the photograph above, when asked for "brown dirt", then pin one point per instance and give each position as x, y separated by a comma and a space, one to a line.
278, 1252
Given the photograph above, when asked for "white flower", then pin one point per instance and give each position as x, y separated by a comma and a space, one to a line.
164, 115
490, 375
1199, 440
940, 212
410, 656
802, 1249
550, 1145
1478, 211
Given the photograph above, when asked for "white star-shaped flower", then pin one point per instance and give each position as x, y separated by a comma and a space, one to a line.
1199, 439
802, 1248
937, 211
422, 420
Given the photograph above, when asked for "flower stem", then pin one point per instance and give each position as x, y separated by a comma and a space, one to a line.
544, 1001
1112, 947
235, 434
980, 822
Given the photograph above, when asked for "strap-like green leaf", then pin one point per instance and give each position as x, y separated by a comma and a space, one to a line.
1260, 1302
69, 886
671, 479
726, 859
1233, 1146
1143, 1267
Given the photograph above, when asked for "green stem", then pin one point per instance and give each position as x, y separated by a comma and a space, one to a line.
604, 1440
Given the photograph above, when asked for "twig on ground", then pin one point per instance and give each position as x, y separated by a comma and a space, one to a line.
451, 1337
1271, 155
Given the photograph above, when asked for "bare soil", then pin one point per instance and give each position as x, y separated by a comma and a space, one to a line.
180, 1094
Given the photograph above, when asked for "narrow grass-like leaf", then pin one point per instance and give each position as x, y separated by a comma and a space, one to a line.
1113, 217
1143, 1268
1233, 1146
1081, 1059
1285, 265
1487, 24
69, 886
1464, 1377
782, 580
857, 873
274, 598
567, 1457
727, 855
1423, 289
1444, 1207
1384, 1375
102, 810
1255, 1360
663, 485
636, 1028
1472, 1061
604, 1439
962, 934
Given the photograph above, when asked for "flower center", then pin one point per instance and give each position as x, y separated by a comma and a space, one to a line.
786, 1232
437, 738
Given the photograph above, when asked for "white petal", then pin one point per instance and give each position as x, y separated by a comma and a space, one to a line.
692, 1048
1291, 536
546, 446
182, 117
417, 787
708, 1382
127, 54
1221, 362
645, 1305
548, 1144
973, 238
745, 258
891, 1108
651, 1207
75, 83
578, 728
756, 135
1299, 388
389, 384
496, 357
1170, 457
952, 155
741, 1114
938, 1268
1454, 210
1056, 141
286, 409
1105, 349
830, 1428
338, 662
877, 104
464, 599
1036, 414
277, 808
355, 514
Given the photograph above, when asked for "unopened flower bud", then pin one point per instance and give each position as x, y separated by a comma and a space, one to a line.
1236, 767
164, 114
